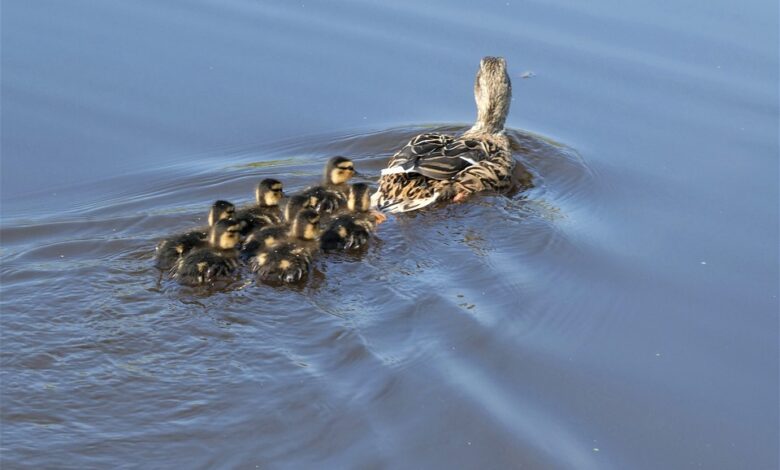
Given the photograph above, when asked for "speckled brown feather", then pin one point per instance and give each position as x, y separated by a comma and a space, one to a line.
486, 143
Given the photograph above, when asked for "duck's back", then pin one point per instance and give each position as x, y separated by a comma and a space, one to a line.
426, 168
287, 263
347, 232
170, 250
438, 156
204, 265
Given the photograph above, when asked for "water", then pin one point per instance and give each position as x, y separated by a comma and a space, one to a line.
621, 314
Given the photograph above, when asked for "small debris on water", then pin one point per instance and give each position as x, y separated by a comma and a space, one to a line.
703, 262
527, 74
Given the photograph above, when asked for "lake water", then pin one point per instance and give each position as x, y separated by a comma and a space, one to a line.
623, 313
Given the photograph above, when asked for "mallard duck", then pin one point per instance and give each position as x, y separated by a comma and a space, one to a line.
170, 250
265, 212
433, 167
288, 260
331, 194
351, 230
217, 261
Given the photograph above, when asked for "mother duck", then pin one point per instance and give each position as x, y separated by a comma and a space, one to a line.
434, 167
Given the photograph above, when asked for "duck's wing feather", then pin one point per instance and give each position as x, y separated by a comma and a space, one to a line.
402, 205
436, 156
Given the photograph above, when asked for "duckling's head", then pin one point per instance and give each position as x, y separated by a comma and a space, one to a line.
493, 93
339, 170
269, 193
224, 234
306, 225
358, 198
220, 210
294, 205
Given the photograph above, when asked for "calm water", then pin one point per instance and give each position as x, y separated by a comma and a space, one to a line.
621, 314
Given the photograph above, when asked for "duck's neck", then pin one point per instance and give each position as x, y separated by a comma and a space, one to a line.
492, 94
491, 115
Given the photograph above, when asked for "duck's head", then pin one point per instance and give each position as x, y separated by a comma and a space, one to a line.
224, 234
306, 225
493, 94
268, 193
358, 198
294, 205
221, 210
339, 170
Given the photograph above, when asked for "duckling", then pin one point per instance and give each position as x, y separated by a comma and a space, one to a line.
351, 231
330, 195
294, 205
265, 212
433, 167
271, 235
288, 260
217, 261
170, 250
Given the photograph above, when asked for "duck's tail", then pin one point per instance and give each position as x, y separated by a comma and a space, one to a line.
380, 202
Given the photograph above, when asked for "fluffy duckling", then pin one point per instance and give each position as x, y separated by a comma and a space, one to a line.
330, 195
170, 250
274, 234
288, 260
219, 260
265, 212
351, 231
